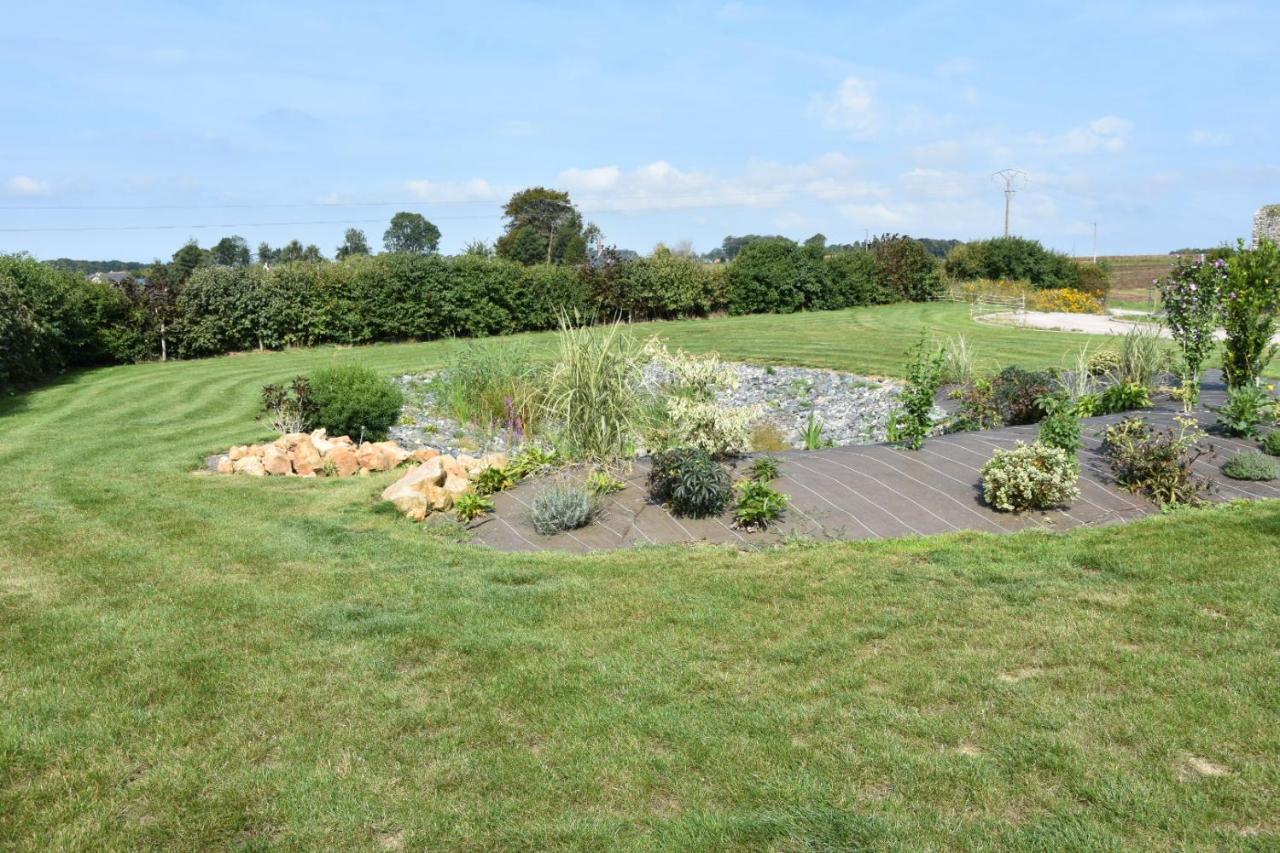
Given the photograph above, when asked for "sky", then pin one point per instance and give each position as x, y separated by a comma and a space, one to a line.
128, 128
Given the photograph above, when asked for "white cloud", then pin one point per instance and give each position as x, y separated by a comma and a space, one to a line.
851, 108
589, 180
26, 186
1202, 138
1109, 134
476, 189
873, 216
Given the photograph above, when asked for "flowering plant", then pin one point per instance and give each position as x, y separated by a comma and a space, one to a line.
1030, 476
1192, 300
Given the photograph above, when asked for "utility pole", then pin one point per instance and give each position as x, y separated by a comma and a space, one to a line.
1010, 178
1095, 242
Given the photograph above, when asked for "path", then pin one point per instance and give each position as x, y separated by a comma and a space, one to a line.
1094, 324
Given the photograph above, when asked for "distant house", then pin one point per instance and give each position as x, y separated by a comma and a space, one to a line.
116, 277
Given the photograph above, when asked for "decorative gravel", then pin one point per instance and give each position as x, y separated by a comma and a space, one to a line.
852, 409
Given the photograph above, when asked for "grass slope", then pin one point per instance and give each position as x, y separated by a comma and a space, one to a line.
197, 661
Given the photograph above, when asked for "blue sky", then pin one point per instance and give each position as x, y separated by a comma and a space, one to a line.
667, 122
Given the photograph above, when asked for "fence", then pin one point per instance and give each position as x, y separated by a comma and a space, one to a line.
985, 304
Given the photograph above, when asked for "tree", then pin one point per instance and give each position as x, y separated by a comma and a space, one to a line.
188, 258
411, 234
905, 267
267, 255
545, 220
353, 243
230, 251
817, 241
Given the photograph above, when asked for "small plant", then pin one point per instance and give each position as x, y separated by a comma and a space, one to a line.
812, 435
1030, 477
493, 479
758, 505
290, 406
1271, 443
563, 506
977, 408
958, 361
1143, 356
601, 482
768, 437
1246, 410
470, 505
531, 460
924, 376
1157, 463
765, 469
687, 411
1252, 465
1102, 362
1123, 397
690, 482
1061, 427
351, 399
1016, 393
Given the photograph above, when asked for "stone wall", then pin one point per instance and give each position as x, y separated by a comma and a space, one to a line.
1266, 223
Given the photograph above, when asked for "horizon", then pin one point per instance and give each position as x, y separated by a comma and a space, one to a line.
681, 123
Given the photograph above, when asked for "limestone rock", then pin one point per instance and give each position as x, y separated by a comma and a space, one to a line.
343, 460
225, 465
438, 498
455, 485
372, 458
257, 450
422, 454
275, 461
396, 455
237, 453
468, 463
306, 456
492, 460
250, 465
453, 467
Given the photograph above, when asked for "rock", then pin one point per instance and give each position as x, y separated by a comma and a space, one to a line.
343, 460
257, 450
343, 441
371, 457
422, 454
453, 467
419, 512
320, 441
238, 453
396, 455
306, 457
493, 460
468, 463
225, 465
413, 485
275, 461
290, 440
250, 465
438, 498
455, 485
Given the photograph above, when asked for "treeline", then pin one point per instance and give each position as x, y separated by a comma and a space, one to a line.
52, 321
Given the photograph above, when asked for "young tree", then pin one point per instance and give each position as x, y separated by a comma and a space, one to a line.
411, 234
353, 243
1192, 299
230, 251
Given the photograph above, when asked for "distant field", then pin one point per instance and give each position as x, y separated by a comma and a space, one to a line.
1132, 276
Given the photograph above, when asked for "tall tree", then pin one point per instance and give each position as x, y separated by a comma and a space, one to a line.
188, 258
411, 234
549, 217
230, 251
266, 254
353, 243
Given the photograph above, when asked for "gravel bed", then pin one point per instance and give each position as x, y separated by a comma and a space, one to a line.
852, 409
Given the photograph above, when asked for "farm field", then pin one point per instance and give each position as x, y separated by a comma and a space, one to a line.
259, 664
1132, 276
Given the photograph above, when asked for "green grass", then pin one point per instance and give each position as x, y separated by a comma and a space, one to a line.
199, 662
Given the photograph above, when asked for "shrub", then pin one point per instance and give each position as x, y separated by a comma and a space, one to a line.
1249, 312
978, 409
768, 437
775, 275
758, 505
1191, 297
353, 400
914, 422
1247, 409
1065, 299
665, 285
470, 505
1157, 463
1122, 397
686, 413
1012, 258
1061, 427
765, 469
905, 268
853, 279
1103, 361
1094, 279
690, 482
1017, 393
1030, 477
1271, 443
493, 479
563, 506
290, 407
593, 392
601, 482
1251, 465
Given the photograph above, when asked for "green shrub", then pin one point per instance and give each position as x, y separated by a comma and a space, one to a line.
1093, 279
1030, 477
775, 275
853, 279
563, 506
1061, 427
1103, 361
493, 479
914, 421
594, 393
602, 482
765, 469
690, 482
470, 505
978, 409
1017, 393
1249, 316
1271, 442
1012, 258
685, 412
758, 505
1157, 463
1122, 397
905, 268
1247, 409
1251, 465
531, 460
664, 285
353, 400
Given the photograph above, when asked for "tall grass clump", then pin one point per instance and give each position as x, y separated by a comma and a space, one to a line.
1144, 355
494, 386
594, 391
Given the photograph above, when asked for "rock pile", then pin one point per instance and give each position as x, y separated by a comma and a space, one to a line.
301, 454
433, 485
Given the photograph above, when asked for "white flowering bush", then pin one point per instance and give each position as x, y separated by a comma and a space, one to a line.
1031, 476
688, 414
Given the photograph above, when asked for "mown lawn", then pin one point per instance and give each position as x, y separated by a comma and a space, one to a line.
222, 662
